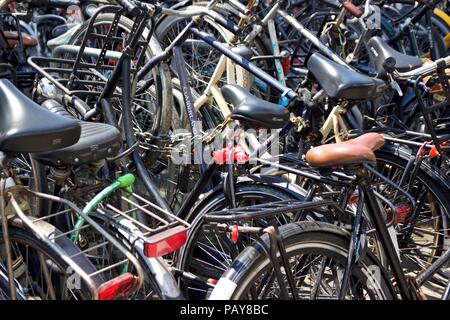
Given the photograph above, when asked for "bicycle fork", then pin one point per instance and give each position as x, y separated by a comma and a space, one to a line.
276, 246
9, 264
355, 245
384, 237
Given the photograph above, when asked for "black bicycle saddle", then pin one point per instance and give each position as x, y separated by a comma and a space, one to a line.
254, 112
341, 82
379, 51
26, 127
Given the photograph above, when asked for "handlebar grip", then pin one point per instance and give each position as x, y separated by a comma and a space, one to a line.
131, 8
350, 7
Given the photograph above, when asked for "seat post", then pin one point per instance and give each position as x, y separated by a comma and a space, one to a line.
384, 237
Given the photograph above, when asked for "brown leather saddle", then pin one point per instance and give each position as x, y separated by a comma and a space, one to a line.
13, 38
349, 153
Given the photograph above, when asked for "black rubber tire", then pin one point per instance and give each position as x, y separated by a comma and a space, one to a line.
306, 237
162, 90
23, 236
218, 201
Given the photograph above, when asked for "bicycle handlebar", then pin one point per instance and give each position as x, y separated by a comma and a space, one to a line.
429, 68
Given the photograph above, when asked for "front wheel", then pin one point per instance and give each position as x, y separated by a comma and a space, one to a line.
317, 254
39, 272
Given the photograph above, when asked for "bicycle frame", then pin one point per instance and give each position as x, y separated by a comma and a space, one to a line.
212, 91
366, 196
405, 29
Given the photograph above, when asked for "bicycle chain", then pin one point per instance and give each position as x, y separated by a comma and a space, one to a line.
171, 139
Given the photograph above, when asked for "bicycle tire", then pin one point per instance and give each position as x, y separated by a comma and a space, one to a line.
308, 238
161, 89
217, 200
23, 236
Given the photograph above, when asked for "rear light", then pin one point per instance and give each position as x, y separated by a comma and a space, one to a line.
165, 242
235, 234
353, 199
117, 288
239, 155
401, 212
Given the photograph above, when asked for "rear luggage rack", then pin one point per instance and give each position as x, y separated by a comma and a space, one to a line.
107, 279
82, 71
165, 233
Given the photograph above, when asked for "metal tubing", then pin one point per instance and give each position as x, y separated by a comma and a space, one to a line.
9, 264
244, 63
130, 138
429, 272
242, 215
88, 52
383, 234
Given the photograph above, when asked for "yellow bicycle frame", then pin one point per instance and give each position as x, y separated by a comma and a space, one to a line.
446, 18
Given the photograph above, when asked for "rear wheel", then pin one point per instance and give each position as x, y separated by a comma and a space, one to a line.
429, 236
208, 253
151, 111
317, 254
33, 260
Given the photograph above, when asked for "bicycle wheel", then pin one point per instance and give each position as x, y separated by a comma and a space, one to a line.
207, 254
40, 273
429, 234
172, 178
152, 110
201, 59
317, 254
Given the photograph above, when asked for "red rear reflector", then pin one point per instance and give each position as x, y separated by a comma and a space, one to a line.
165, 242
353, 199
213, 281
286, 64
434, 153
402, 211
116, 288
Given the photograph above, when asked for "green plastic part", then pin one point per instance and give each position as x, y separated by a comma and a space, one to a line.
126, 180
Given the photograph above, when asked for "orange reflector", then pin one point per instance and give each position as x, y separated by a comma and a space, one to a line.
434, 153
116, 288
165, 242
